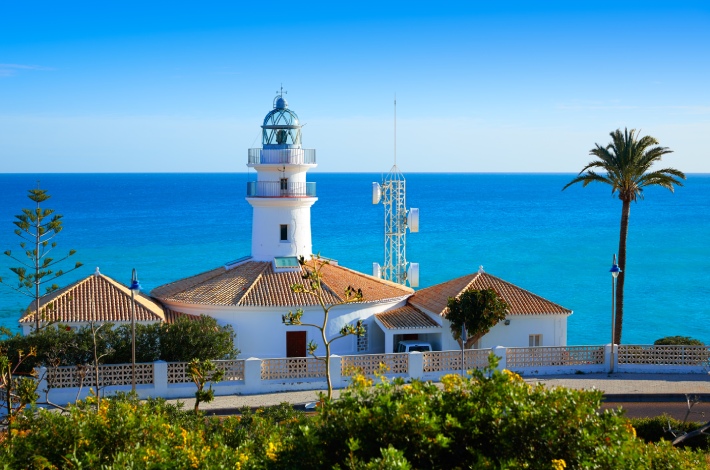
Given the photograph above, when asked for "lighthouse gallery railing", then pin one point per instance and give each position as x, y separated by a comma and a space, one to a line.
282, 156
280, 189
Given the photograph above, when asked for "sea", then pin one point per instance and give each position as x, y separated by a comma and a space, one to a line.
522, 228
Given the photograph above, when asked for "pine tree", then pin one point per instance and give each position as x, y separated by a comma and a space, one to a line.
37, 228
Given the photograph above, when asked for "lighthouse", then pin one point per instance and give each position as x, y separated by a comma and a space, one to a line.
281, 197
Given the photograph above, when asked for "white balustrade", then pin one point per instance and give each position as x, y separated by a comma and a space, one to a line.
369, 364
172, 380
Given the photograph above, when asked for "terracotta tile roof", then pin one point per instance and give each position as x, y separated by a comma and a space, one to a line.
521, 301
406, 317
171, 316
96, 298
255, 284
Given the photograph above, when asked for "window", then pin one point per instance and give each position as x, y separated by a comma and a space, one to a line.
362, 345
535, 340
284, 232
284, 184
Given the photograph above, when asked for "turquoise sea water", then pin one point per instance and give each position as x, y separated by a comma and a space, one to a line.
520, 227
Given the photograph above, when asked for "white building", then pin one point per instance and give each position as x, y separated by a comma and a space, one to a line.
253, 293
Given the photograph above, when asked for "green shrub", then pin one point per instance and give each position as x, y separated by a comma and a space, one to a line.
678, 341
182, 341
655, 429
490, 420
126, 433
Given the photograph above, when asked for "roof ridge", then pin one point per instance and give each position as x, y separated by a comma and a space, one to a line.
476, 275
409, 290
257, 279
140, 298
527, 291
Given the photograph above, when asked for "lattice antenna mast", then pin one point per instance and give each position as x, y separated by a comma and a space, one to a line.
398, 219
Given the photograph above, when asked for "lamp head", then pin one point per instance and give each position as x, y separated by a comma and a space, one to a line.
615, 271
135, 285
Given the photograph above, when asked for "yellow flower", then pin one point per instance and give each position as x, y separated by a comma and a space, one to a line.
451, 382
271, 451
513, 376
631, 429
242, 460
558, 464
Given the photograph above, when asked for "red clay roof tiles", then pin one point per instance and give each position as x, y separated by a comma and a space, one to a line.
520, 301
254, 283
95, 298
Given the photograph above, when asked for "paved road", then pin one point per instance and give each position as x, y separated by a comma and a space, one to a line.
678, 410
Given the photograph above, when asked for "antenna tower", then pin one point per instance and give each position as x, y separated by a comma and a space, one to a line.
398, 219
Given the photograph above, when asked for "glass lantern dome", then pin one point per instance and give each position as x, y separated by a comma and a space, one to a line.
281, 127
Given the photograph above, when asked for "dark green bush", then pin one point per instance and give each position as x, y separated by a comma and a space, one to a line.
183, 340
655, 429
678, 341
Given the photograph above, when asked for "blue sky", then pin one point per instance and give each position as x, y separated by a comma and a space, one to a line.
480, 86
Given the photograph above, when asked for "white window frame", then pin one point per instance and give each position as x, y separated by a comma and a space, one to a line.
535, 340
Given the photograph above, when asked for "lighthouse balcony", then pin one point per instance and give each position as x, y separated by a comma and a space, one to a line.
280, 189
286, 156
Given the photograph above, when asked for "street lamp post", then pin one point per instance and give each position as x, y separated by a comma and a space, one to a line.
614, 274
135, 286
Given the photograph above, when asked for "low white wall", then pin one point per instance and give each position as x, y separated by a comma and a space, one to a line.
425, 366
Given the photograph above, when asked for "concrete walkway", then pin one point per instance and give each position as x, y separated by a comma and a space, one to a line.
616, 387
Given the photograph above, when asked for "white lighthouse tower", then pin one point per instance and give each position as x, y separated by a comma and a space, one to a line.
281, 197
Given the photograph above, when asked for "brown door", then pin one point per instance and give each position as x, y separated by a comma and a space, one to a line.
295, 344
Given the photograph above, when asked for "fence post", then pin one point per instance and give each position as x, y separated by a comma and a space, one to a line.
336, 371
416, 365
500, 352
252, 375
160, 378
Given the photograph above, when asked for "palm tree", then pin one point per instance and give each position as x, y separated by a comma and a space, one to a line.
627, 162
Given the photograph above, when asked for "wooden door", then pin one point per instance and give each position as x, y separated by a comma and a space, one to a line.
295, 344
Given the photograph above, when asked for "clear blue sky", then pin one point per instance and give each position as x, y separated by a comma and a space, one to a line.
481, 86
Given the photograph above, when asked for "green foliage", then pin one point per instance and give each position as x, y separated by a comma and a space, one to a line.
202, 339
127, 433
656, 429
36, 228
182, 341
202, 372
16, 392
479, 310
490, 420
678, 341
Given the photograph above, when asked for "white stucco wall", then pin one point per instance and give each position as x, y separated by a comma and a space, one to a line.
261, 333
268, 215
553, 329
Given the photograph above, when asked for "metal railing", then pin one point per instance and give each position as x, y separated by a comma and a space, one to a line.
280, 189
282, 156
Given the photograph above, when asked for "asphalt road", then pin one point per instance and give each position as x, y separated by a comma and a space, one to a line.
700, 412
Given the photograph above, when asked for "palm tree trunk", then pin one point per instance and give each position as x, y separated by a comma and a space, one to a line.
623, 233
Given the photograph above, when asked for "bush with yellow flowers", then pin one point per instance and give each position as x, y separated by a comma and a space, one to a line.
126, 433
490, 419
